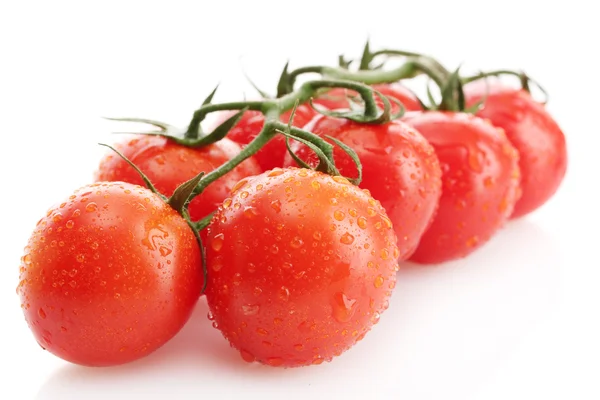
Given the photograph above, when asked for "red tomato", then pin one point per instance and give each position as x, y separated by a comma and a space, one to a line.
109, 275
337, 98
302, 264
480, 183
400, 169
533, 132
272, 154
168, 165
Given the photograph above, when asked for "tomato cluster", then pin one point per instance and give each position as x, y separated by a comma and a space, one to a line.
310, 208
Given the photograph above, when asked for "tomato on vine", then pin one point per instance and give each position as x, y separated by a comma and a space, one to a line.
169, 164
271, 155
534, 133
339, 98
399, 168
302, 264
480, 183
111, 273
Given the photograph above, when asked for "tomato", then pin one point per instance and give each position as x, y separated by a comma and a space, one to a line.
302, 264
400, 169
337, 98
168, 165
480, 183
534, 133
251, 123
109, 275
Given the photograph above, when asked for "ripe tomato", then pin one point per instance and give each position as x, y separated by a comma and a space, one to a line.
251, 123
480, 183
302, 264
400, 169
337, 98
109, 275
537, 137
168, 165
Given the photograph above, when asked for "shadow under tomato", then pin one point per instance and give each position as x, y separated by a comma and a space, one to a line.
452, 324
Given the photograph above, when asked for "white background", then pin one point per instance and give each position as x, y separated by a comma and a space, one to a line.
517, 320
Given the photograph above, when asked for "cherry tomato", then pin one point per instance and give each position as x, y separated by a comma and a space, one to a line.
272, 154
480, 183
302, 264
109, 275
338, 97
400, 169
534, 133
168, 165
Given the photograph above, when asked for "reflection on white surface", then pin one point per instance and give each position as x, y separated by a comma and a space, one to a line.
446, 330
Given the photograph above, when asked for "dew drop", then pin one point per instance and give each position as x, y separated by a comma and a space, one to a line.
217, 242
284, 294
347, 238
250, 309
371, 212
378, 281
239, 185
27, 259
275, 361
70, 224
251, 268
315, 185
244, 194
262, 331
80, 258
227, 203
91, 207
247, 356
385, 254
210, 316
317, 235
299, 347
42, 313
341, 179
343, 307
362, 222
250, 212
57, 217
296, 242
164, 251
339, 215
276, 205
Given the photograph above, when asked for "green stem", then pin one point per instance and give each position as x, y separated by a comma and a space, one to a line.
269, 130
411, 68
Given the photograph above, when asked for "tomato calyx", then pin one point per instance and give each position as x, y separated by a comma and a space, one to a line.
179, 201
441, 75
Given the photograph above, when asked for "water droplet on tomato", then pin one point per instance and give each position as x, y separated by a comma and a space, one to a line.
250, 309
472, 241
80, 258
251, 268
275, 361
299, 347
57, 217
262, 331
385, 254
70, 224
27, 259
375, 317
296, 242
378, 282
91, 207
250, 212
284, 294
247, 356
333, 201
274, 249
215, 325
347, 238
343, 307
42, 313
239, 185
341, 180
315, 185
371, 212
339, 215
276, 205
217, 242
210, 316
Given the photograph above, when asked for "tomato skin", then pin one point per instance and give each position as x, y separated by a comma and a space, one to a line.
301, 266
109, 275
337, 98
400, 169
168, 165
480, 184
272, 154
533, 132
